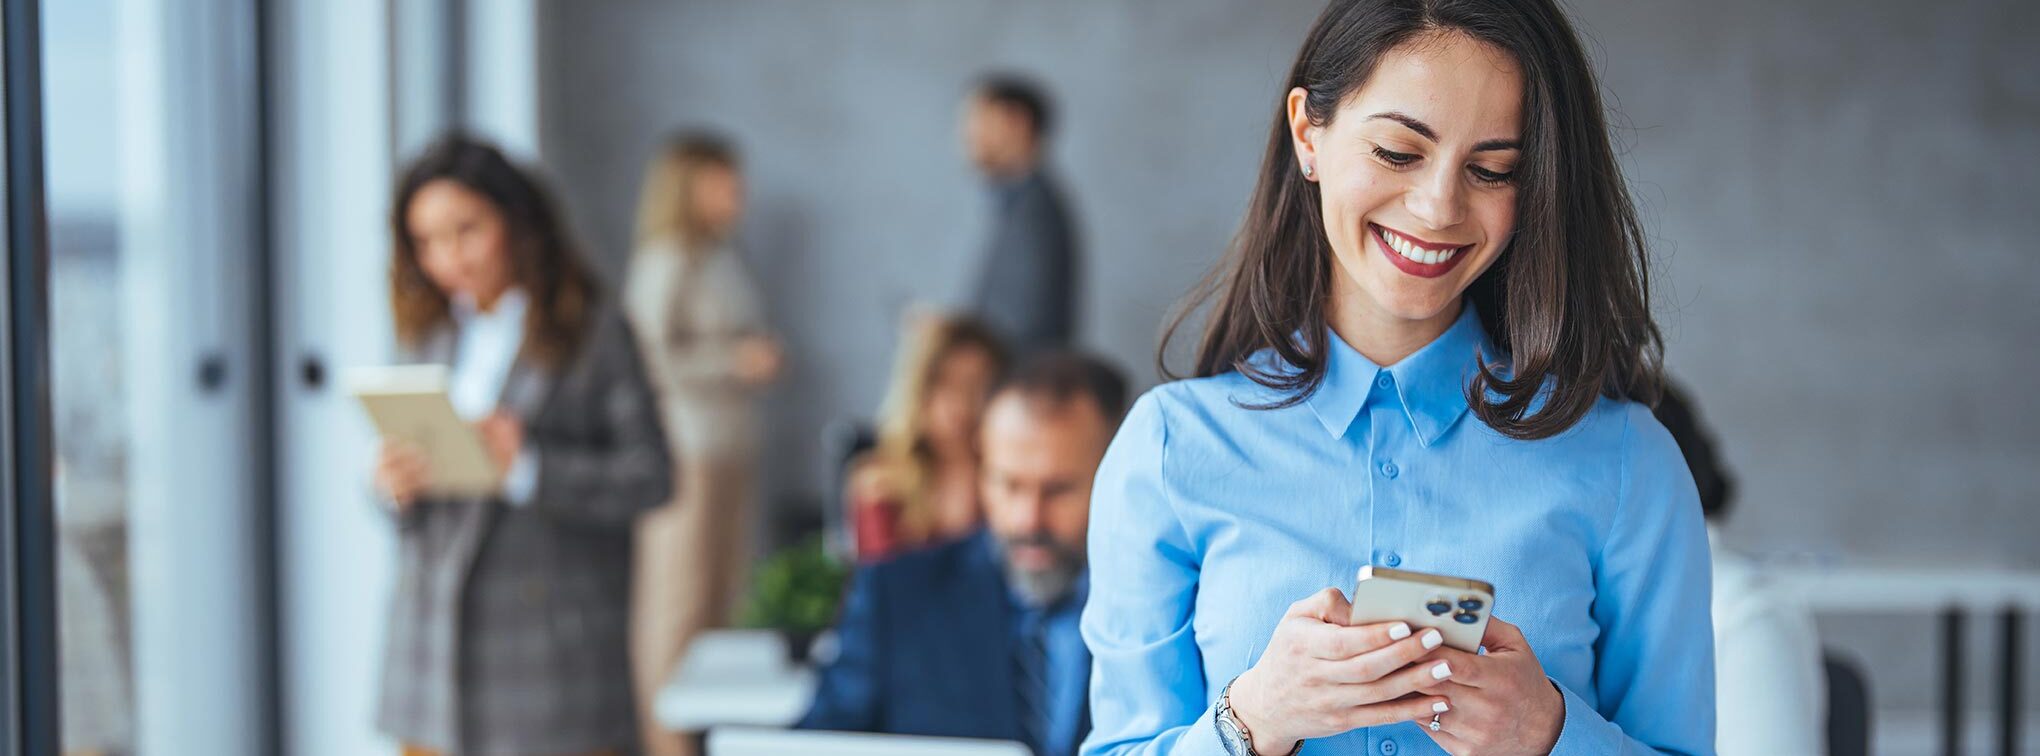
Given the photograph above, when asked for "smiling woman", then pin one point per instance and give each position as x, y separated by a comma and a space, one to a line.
1450, 151
1439, 230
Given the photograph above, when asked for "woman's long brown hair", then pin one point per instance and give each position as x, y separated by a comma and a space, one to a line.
543, 260
1568, 301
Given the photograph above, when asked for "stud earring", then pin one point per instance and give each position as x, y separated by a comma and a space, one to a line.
1307, 171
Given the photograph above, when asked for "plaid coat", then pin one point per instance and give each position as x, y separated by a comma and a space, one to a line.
508, 625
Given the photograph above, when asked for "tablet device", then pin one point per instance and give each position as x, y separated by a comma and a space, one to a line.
409, 402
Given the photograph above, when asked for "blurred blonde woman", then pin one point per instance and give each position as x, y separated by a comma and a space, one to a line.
918, 486
707, 350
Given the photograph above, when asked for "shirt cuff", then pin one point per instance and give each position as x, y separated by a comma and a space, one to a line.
1584, 731
1202, 739
521, 482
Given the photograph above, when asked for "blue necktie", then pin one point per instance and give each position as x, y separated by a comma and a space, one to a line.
1030, 663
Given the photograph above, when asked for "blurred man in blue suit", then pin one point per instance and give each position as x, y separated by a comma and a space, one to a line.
978, 638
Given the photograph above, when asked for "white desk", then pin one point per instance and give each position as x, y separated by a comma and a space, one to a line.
735, 677
1910, 590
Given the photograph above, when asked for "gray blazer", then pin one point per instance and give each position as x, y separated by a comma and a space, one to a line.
1027, 288
508, 625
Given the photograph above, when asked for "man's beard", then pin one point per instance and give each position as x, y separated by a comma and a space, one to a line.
1041, 588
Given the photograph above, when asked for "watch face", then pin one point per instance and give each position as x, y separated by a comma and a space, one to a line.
1229, 733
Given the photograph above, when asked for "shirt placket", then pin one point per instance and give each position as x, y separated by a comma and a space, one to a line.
1388, 433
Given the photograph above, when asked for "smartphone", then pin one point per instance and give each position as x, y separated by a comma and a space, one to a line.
1457, 607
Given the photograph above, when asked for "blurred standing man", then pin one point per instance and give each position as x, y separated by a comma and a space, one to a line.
978, 638
1026, 285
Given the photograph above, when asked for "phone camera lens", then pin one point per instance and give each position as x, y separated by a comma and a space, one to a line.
1466, 618
1470, 603
1438, 607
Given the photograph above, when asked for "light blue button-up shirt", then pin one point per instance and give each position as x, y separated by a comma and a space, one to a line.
1209, 519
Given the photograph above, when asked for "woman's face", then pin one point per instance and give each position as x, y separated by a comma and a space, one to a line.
1414, 172
956, 395
718, 198
460, 240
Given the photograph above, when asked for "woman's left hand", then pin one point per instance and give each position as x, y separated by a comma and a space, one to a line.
504, 437
1502, 703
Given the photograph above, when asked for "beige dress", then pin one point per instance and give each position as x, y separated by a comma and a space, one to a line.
689, 313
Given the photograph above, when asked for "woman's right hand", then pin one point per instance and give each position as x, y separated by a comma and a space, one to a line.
758, 360
1321, 677
401, 472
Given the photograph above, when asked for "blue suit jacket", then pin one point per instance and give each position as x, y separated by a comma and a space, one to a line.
926, 650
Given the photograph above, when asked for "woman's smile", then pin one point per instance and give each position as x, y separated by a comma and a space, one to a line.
1417, 257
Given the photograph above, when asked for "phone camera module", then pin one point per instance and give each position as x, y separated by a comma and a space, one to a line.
1466, 618
1470, 603
1438, 607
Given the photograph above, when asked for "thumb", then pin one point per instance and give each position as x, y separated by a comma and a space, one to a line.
1328, 605
1503, 636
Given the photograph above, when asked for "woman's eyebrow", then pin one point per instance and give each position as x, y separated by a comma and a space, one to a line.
1422, 129
1425, 130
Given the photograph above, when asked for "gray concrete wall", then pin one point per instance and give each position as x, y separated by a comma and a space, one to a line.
1841, 193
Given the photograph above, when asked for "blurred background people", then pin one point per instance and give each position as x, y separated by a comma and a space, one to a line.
1027, 282
708, 352
978, 638
507, 628
919, 484
1770, 689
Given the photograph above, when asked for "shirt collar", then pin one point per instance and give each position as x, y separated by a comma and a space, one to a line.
1430, 385
510, 306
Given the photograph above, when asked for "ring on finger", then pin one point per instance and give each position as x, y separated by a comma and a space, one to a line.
1437, 721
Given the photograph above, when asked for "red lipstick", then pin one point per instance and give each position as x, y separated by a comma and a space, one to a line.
1413, 267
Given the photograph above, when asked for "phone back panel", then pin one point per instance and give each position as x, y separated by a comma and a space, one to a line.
1457, 607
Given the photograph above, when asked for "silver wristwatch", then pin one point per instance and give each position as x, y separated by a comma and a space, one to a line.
1238, 742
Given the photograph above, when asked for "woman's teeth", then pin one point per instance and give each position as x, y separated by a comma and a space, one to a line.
1411, 251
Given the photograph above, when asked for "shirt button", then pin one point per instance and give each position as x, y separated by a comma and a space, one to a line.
1394, 559
1388, 748
1384, 380
1389, 469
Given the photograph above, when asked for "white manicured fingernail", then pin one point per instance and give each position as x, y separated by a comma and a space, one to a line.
1398, 631
1440, 707
1442, 671
1432, 638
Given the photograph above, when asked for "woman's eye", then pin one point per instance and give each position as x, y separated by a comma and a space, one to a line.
1394, 158
1491, 178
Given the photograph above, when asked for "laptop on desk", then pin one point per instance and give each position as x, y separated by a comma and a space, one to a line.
752, 741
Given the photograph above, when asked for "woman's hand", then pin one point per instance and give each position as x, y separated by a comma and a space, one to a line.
757, 360
401, 472
1502, 703
1320, 676
503, 435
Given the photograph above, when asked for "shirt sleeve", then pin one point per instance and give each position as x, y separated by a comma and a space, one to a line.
850, 694
1655, 670
522, 479
1147, 677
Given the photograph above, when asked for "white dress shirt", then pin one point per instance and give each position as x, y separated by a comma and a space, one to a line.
1770, 687
486, 348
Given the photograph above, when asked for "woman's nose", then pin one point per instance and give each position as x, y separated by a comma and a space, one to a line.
1438, 201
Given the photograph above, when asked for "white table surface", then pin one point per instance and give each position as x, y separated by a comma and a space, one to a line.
1909, 589
735, 678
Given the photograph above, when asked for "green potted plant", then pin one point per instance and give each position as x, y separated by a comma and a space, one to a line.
797, 592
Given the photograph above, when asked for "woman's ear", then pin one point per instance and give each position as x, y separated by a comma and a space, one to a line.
1302, 133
